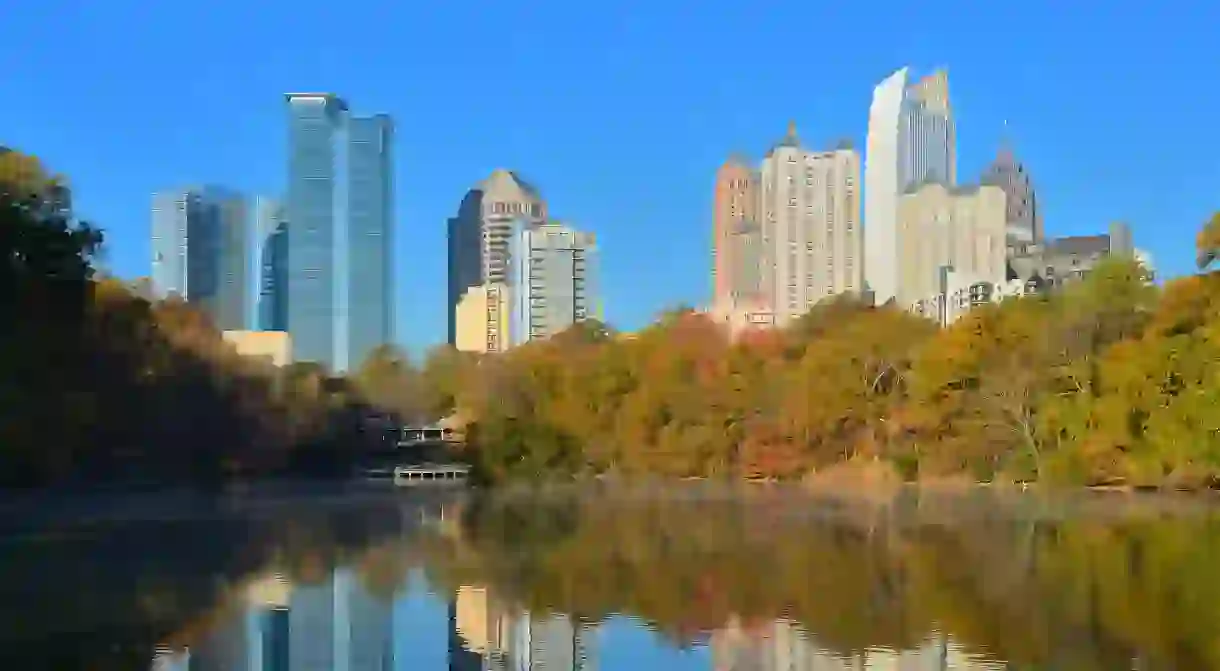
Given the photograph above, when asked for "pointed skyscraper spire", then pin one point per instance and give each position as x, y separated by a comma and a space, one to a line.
791, 139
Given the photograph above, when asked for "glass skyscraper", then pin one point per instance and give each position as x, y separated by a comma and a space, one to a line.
200, 252
317, 210
370, 241
270, 270
339, 210
911, 140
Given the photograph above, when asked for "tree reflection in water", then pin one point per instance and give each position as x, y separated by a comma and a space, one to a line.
762, 578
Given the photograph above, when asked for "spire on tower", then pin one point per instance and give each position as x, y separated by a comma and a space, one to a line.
790, 139
1005, 152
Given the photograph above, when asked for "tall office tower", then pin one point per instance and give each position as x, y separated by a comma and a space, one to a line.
340, 236
317, 209
553, 280
809, 209
370, 245
270, 271
200, 252
960, 228
1024, 218
479, 234
911, 140
734, 236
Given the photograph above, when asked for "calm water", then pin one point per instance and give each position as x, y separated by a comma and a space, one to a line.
679, 578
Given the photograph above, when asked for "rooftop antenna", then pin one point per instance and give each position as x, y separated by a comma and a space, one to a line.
1005, 150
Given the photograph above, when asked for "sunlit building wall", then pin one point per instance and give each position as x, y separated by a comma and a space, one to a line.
274, 346
483, 319
939, 227
911, 140
735, 236
811, 235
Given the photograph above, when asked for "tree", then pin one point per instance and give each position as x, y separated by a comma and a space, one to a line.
387, 380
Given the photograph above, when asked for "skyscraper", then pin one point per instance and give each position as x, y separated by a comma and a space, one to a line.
479, 235
270, 257
809, 209
911, 139
734, 220
1024, 217
340, 209
316, 206
370, 244
200, 252
552, 280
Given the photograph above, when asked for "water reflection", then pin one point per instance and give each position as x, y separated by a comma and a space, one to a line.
783, 645
726, 581
489, 635
276, 625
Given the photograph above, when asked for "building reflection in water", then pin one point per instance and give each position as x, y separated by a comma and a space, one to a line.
278, 626
782, 645
487, 635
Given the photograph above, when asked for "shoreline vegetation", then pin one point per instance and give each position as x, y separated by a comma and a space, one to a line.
1108, 382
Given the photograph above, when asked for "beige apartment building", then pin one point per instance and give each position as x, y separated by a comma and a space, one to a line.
482, 319
810, 233
735, 261
956, 230
274, 346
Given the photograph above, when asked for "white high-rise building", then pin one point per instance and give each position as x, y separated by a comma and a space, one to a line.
811, 239
552, 277
911, 140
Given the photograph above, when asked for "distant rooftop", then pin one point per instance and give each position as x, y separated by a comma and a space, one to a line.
953, 190
327, 97
1079, 244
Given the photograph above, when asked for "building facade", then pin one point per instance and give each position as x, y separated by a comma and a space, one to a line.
962, 229
479, 235
340, 287
911, 140
316, 206
552, 280
270, 271
1060, 261
483, 319
736, 238
810, 238
370, 245
200, 252
274, 346
1024, 217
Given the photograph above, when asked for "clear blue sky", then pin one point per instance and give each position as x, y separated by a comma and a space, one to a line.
619, 111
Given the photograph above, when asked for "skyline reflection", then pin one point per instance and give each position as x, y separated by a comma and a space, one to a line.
706, 579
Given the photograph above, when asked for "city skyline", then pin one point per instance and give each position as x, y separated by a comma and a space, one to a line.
1091, 168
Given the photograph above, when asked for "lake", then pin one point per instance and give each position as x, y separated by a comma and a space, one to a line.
691, 576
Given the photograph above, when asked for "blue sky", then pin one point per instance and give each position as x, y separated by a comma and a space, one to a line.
620, 112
